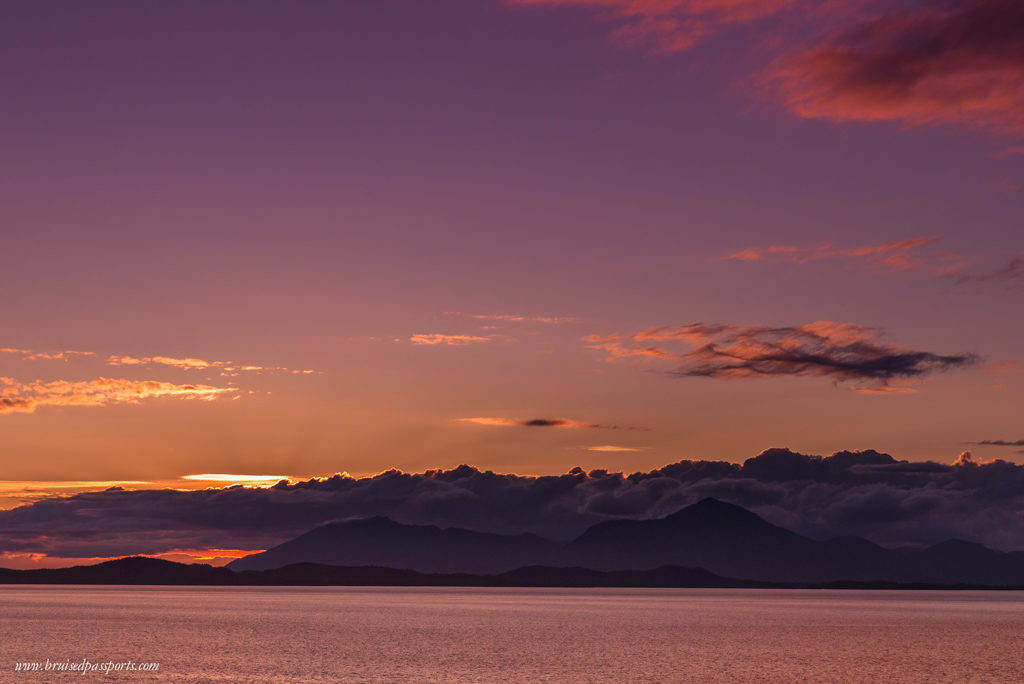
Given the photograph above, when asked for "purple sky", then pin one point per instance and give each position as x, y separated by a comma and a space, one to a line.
310, 186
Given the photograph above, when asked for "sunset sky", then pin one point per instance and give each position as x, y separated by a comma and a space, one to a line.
287, 240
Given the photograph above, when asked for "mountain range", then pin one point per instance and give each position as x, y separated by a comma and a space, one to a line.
721, 538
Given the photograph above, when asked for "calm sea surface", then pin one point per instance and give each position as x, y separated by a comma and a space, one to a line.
514, 635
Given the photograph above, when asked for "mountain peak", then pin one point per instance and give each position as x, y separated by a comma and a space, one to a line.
715, 510
712, 503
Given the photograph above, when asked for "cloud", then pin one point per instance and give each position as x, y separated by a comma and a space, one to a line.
884, 390
21, 397
956, 61
511, 318
667, 26
187, 363
1000, 442
866, 493
225, 368
1012, 272
897, 255
449, 340
530, 422
841, 351
1011, 151
613, 448
1004, 367
30, 355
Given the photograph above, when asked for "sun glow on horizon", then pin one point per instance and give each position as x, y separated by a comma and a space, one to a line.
231, 477
14, 560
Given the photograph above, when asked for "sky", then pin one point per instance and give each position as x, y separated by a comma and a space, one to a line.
247, 242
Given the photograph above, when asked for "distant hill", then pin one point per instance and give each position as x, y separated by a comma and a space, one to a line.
131, 570
152, 571
136, 570
385, 543
731, 541
722, 538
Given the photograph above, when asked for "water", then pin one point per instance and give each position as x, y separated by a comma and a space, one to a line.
345, 634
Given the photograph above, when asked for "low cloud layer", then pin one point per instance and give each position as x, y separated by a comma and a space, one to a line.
956, 61
863, 493
841, 351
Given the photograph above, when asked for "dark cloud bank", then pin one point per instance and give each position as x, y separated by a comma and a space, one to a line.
862, 493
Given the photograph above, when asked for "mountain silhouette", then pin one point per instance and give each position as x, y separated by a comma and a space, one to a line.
136, 570
721, 538
130, 570
424, 548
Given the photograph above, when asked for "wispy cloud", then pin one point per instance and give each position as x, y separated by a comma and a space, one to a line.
1004, 367
959, 61
842, 351
187, 363
19, 397
613, 448
226, 368
448, 340
667, 26
31, 355
1011, 272
530, 422
1000, 442
884, 390
1011, 151
896, 255
513, 318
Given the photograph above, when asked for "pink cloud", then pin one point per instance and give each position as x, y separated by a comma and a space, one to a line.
896, 255
667, 26
958, 62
